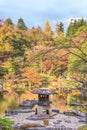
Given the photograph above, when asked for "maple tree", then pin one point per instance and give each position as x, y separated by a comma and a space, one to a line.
46, 66
31, 76
28, 55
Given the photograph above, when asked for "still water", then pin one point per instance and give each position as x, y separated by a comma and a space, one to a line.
12, 101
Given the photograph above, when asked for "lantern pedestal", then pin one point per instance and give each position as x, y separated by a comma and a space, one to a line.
44, 110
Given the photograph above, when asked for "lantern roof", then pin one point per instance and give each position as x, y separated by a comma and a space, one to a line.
44, 91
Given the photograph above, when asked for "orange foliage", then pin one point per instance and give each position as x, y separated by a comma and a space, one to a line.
31, 75
46, 66
75, 92
28, 95
11, 78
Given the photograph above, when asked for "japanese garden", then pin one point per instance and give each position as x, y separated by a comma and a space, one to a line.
46, 67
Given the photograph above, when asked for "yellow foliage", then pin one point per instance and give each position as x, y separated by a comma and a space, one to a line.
7, 86
75, 92
47, 28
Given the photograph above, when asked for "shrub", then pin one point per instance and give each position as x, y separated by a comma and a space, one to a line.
6, 124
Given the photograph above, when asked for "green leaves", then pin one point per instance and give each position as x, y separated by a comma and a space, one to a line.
6, 124
77, 61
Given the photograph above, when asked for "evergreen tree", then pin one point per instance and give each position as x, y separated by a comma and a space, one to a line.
74, 27
21, 25
82, 22
59, 27
8, 21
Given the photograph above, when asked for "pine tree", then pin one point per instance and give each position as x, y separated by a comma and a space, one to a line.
59, 27
74, 26
21, 25
8, 21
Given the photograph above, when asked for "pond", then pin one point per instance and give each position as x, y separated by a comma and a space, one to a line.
12, 101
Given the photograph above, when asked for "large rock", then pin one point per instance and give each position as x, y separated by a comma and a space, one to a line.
10, 112
28, 104
55, 110
75, 113
84, 120
75, 104
15, 112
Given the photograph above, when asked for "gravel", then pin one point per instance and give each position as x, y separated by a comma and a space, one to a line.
59, 121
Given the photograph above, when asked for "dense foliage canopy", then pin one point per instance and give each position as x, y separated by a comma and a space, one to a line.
28, 55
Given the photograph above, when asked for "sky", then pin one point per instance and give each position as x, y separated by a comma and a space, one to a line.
36, 12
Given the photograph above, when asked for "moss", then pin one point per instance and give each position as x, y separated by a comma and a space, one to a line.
82, 127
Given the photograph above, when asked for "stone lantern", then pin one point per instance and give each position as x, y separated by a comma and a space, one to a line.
43, 103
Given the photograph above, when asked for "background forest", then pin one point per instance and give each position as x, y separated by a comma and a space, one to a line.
28, 56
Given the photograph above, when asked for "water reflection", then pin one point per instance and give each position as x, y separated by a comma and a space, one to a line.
12, 101
8, 103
